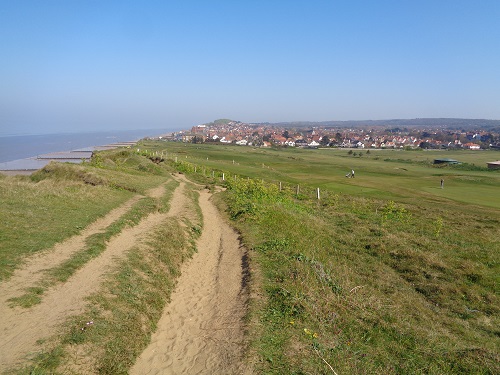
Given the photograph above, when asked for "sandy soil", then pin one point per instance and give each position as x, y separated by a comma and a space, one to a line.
201, 330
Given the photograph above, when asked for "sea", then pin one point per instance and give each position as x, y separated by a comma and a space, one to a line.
17, 147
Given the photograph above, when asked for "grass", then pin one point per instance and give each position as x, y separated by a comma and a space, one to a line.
126, 316
119, 319
96, 243
60, 200
94, 246
385, 274
42, 214
370, 291
380, 174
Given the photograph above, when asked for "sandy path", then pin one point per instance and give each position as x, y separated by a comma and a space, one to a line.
34, 267
20, 328
201, 330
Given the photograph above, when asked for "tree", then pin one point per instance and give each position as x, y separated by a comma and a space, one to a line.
285, 134
324, 141
197, 139
426, 134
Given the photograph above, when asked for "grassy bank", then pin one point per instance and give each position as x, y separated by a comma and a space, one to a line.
60, 200
386, 273
369, 287
94, 246
63, 198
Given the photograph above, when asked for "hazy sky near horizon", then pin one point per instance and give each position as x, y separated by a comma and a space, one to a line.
101, 64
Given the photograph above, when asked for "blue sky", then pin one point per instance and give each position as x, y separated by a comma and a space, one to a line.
74, 65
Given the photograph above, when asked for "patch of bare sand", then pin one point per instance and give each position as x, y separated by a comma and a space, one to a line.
156, 192
202, 329
20, 329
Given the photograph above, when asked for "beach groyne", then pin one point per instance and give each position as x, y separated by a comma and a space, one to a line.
29, 165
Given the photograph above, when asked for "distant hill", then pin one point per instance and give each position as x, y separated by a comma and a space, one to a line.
451, 123
222, 121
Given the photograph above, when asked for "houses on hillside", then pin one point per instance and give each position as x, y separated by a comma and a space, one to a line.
259, 135
472, 146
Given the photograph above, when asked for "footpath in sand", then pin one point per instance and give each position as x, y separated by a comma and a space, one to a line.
201, 330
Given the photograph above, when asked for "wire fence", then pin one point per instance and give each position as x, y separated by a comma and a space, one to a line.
220, 174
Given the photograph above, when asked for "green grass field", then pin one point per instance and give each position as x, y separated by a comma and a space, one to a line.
386, 273
390, 174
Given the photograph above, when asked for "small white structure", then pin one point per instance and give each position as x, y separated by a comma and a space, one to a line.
313, 144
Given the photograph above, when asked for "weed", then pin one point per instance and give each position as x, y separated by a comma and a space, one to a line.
438, 226
393, 212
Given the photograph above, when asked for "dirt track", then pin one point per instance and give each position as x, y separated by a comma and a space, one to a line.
201, 330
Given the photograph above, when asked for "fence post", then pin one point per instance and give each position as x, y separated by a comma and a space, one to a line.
176, 159
213, 174
298, 189
223, 177
280, 185
317, 193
